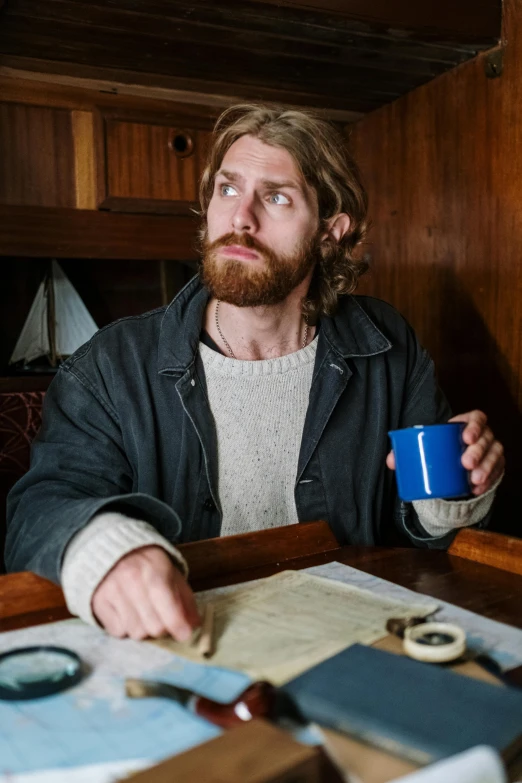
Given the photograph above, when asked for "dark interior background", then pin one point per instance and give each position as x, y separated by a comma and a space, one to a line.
430, 96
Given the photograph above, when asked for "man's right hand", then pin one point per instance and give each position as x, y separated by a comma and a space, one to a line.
145, 595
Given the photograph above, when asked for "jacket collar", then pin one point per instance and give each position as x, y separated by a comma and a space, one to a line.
181, 328
351, 332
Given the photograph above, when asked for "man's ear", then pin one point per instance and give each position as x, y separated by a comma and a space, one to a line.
337, 226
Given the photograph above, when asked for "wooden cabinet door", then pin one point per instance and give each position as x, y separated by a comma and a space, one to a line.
37, 157
153, 167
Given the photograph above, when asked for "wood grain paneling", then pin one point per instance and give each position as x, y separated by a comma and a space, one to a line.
16, 590
84, 94
124, 84
493, 549
443, 166
120, 49
36, 156
82, 233
85, 169
464, 20
220, 556
142, 162
313, 55
245, 753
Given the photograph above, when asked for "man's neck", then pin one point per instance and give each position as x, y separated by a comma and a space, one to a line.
255, 333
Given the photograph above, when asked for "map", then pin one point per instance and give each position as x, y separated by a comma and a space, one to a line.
94, 734
94, 722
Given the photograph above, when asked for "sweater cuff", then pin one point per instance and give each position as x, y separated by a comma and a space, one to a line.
439, 517
96, 549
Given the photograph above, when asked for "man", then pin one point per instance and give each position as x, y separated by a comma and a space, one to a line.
262, 396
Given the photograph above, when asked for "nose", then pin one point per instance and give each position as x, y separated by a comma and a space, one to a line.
244, 217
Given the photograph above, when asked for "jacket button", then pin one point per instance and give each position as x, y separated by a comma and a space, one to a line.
209, 504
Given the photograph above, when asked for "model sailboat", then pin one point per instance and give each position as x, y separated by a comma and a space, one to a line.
57, 324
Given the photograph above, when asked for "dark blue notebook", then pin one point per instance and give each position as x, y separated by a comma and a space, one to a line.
420, 711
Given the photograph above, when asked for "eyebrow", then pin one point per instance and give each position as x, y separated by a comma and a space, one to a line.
272, 185
268, 183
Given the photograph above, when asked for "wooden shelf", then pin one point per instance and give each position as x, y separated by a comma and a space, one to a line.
24, 383
54, 232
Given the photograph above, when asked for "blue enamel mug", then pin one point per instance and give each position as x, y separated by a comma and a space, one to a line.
428, 462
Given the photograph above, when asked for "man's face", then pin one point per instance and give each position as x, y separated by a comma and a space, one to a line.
262, 226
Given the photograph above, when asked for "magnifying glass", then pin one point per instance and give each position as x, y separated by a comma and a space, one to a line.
34, 672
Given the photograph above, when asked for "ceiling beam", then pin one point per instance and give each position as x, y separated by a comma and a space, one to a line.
461, 19
239, 49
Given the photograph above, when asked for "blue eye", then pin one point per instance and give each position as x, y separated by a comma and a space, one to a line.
227, 190
278, 198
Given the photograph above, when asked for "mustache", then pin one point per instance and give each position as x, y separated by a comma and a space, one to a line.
241, 240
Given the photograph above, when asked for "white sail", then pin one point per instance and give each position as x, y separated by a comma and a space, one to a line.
73, 322
33, 340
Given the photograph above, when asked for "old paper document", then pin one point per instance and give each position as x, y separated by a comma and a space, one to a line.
278, 627
502, 642
481, 764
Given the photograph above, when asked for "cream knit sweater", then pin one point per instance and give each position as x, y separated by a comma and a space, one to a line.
259, 409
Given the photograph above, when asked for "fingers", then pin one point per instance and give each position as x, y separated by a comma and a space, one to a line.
145, 595
167, 599
107, 615
189, 604
390, 460
142, 619
484, 456
489, 470
475, 453
115, 609
476, 421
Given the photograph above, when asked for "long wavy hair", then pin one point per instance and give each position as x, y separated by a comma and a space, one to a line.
322, 155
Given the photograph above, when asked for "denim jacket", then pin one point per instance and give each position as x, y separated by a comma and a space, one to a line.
127, 426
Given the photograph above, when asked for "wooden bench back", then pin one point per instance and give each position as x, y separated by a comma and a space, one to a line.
493, 549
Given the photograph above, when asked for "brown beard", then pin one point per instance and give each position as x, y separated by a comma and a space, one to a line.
237, 283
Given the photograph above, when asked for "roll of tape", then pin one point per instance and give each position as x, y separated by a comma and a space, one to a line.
434, 642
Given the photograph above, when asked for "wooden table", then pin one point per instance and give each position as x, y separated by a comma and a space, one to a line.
26, 599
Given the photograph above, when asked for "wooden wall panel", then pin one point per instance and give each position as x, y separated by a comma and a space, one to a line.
85, 168
36, 156
142, 161
88, 233
443, 166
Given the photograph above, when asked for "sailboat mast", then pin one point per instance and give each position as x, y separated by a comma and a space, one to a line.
51, 316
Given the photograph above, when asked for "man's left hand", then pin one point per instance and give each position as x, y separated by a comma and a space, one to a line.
484, 455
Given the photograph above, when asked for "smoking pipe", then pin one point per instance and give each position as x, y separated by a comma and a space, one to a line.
257, 701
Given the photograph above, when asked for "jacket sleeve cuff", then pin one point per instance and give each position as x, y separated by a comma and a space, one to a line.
96, 549
439, 517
